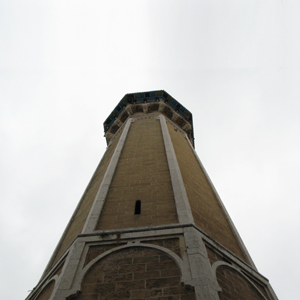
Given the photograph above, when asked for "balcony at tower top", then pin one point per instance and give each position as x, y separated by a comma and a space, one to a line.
147, 97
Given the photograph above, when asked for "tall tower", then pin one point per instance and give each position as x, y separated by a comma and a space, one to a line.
150, 224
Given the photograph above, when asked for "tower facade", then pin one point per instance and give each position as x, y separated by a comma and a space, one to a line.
150, 224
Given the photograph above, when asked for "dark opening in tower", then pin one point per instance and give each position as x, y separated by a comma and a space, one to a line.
137, 209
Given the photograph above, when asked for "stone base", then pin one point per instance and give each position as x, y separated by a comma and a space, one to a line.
161, 262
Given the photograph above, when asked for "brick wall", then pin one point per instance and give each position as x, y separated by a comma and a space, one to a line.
95, 251
135, 273
231, 276
235, 287
142, 174
205, 208
171, 244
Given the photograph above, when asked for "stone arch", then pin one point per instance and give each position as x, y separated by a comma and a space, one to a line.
47, 289
168, 252
133, 271
235, 284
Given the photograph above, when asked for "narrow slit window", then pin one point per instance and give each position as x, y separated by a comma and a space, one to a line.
137, 209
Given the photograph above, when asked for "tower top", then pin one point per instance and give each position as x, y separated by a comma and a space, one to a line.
149, 102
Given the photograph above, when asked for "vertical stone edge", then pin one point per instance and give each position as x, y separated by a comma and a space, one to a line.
73, 263
96, 209
222, 206
181, 200
70, 222
206, 285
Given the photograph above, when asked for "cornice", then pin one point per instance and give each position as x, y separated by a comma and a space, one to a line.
181, 118
148, 102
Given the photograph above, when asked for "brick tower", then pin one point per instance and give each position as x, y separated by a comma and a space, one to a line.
150, 224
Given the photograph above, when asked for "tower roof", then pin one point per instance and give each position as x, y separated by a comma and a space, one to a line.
146, 97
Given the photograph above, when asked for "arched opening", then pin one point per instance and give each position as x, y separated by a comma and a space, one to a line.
137, 209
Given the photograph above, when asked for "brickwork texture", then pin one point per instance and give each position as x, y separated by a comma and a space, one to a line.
135, 273
206, 211
235, 286
171, 244
142, 174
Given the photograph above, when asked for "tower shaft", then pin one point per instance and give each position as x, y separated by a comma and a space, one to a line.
150, 224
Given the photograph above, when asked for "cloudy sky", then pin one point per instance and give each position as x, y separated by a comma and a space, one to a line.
64, 65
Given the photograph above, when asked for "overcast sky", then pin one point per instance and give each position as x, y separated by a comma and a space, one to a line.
64, 65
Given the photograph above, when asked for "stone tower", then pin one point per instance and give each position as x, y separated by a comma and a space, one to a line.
150, 224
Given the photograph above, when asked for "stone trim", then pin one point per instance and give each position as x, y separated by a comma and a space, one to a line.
73, 216
183, 208
160, 230
73, 263
185, 128
95, 211
223, 263
194, 259
131, 244
173, 229
48, 274
223, 208
56, 279
107, 236
71, 267
206, 286
133, 230
38, 290
221, 250
152, 115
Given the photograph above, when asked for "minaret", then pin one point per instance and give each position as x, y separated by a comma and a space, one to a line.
150, 224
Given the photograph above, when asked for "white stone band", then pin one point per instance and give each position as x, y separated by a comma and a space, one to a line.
181, 200
96, 209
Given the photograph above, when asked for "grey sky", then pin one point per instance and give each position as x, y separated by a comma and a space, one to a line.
64, 65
